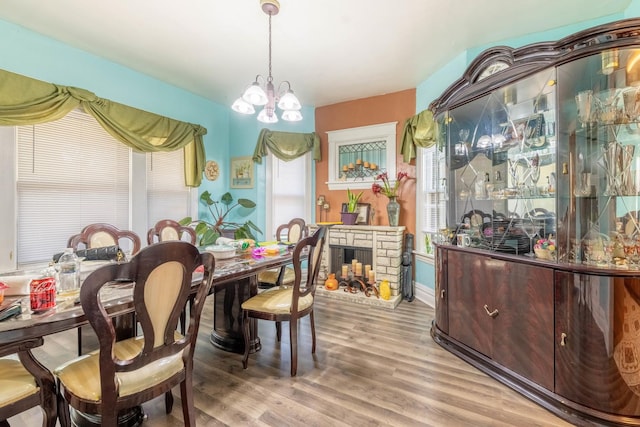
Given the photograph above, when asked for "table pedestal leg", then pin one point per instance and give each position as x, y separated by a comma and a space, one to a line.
127, 418
227, 316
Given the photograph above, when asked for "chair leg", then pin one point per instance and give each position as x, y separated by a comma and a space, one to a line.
80, 341
186, 395
168, 402
279, 331
245, 333
313, 333
293, 338
63, 412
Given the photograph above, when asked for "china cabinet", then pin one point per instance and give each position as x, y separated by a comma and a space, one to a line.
538, 269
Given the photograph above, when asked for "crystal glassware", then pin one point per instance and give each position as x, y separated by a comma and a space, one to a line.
584, 102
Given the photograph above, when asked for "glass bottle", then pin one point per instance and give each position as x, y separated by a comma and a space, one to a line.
68, 272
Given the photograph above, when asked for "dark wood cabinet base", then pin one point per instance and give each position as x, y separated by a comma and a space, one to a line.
572, 412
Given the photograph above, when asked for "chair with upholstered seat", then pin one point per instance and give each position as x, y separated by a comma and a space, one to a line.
25, 383
168, 229
294, 230
291, 303
100, 235
124, 374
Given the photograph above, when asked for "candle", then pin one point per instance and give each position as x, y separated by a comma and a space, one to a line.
345, 168
351, 166
359, 269
358, 161
373, 166
372, 276
345, 270
367, 268
366, 165
353, 264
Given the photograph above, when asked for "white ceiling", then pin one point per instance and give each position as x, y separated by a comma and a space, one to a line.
330, 50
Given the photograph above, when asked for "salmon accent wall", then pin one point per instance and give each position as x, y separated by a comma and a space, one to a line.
393, 107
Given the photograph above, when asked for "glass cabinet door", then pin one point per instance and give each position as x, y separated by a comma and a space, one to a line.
501, 162
598, 150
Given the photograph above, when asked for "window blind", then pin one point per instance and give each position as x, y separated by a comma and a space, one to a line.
289, 183
71, 173
167, 195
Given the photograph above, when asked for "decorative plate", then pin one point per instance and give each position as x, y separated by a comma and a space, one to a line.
211, 170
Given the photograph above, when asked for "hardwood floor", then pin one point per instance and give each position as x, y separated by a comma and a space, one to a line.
372, 367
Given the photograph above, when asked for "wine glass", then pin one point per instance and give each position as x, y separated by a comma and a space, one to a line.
531, 230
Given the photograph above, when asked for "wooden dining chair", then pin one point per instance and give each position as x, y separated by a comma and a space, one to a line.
99, 235
124, 374
168, 229
291, 303
25, 383
292, 232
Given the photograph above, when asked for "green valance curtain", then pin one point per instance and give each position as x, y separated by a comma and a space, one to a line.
25, 101
286, 145
419, 131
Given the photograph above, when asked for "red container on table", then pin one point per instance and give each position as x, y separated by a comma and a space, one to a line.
43, 293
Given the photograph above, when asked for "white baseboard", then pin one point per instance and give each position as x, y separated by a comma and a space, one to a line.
426, 295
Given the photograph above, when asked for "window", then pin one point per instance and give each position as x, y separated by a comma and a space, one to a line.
60, 176
167, 196
71, 172
290, 191
431, 197
357, 155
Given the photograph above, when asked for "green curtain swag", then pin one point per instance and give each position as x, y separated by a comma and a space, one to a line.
286, 145
419, 131
27, 101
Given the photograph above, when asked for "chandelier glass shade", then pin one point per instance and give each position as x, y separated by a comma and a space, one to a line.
262, 92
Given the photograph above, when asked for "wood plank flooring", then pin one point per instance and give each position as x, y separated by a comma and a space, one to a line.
373, 367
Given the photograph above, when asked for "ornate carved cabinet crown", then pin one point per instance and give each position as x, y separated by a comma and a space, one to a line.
538, 269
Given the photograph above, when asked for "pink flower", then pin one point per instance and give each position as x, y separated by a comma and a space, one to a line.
387, 188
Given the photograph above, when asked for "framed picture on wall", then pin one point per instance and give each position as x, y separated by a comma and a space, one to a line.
364, 213
241, 172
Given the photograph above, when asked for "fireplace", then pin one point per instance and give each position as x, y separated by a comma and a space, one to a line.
378, 246
345, 254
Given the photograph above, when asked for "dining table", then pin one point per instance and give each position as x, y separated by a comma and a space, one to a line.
234, 280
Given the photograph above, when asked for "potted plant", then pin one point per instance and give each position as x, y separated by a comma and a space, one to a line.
208, 232
351, 215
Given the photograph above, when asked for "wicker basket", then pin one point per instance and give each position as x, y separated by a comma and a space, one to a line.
544, 253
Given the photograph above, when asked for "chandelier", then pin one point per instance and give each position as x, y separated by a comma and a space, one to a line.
257, 95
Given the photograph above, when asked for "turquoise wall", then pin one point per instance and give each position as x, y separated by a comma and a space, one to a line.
31, 54
243, 136
434, 85
229, 134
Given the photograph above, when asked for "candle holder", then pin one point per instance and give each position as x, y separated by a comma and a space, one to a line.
353, 284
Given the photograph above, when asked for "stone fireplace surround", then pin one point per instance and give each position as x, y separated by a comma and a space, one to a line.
386, 244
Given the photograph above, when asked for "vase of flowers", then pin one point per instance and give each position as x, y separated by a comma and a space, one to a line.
391, 190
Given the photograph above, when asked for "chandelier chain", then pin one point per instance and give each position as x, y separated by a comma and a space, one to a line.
270, 78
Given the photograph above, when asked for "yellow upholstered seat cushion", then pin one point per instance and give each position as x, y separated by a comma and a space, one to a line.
15, 382
276, 301
81, 376
271, 276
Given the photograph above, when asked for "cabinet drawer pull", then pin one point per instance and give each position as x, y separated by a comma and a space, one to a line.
442, 294
563, 339
493, 313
